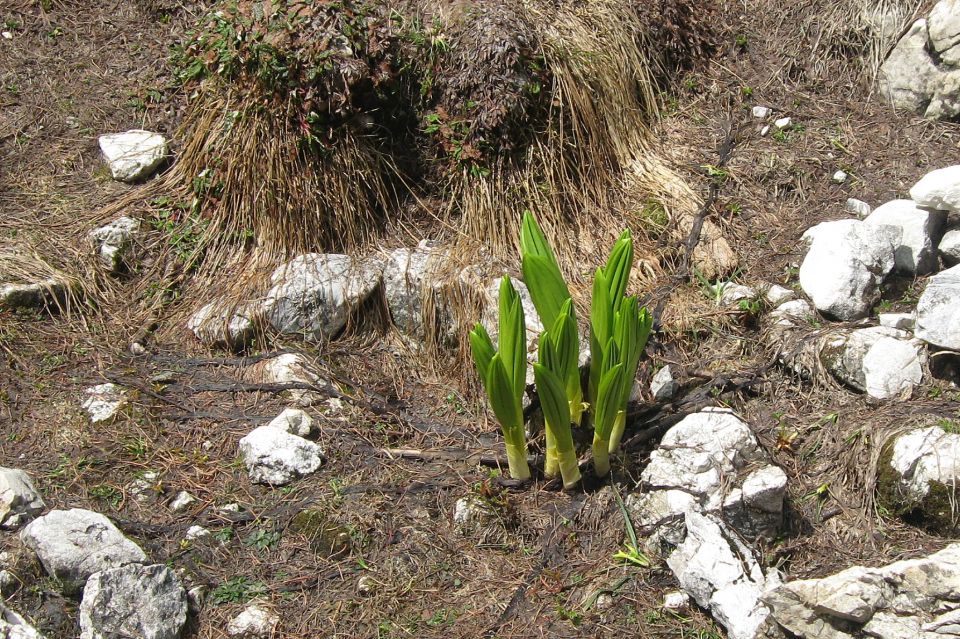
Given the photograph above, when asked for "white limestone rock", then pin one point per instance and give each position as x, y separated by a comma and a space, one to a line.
411, 275
133, 155
19, 499
782, 123
920, 230
663, 387
113, 242
313, 295
196, 532
943, 25
880, 361
906, 74
289, 368
47, 292
104, 402
181, 501
775, 295
938, 310
73, 544
902, 321
762, 112
764, 489
471, 511
293, 420
950, 247
939, 189
14, 626
858, 207
723, 576
792, 314
911, 599
839, 177
676, 600
274, 456
254, 621
147, 602
219, 325
847, 261
925, 455
731, 293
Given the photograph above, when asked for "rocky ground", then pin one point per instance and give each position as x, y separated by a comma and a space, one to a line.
175, 465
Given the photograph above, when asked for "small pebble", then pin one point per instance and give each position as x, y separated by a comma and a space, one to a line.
840, 177
676, 600
782, 123
761, 112
858, 207
765, 130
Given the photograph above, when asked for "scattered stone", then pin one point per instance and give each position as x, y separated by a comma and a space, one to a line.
939, 189
146, 487
858, 207
880, 361
722, 575
220, 326
663, 386
790, 314
702, 465
181, 501
73, 544
912, 599
906, 75
765, 130
8, 583
293, 420
950, 247
314, 294
471, 511
847, 261
839, 177
676, 600
782, 123
938, 310
254, 621
366, 585
147, 602
902, 321
731, 293
19, 499
762, 112
196, 596
134, 155
920, 231
289, 368
230, 508
197, 532
276, 457
775, 295
104, 401
919, 474
113, 242
14, 626
47, 292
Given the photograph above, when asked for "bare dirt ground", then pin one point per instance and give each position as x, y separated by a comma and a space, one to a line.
73, 70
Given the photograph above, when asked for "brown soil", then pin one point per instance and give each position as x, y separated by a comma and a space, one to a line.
74, 70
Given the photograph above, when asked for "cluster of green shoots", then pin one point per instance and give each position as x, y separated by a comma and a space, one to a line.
618, 333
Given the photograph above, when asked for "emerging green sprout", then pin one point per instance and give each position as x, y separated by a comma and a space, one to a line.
504, 374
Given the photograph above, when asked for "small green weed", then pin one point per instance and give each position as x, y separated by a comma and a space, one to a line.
236, 590
262, 539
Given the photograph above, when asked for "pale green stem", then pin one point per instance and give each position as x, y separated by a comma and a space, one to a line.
569, 469
601, 456
616, 433
551, 463
517, 460
576, 407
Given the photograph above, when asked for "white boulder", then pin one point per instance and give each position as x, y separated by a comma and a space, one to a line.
911, 599
47, 292
114, 240
950, 247
134, 155
902, 321
221, 325
410, 277
663, 386
104, 402
939, 189
289, 368
254, 621
313, 295
906, 74
147, 602
14, 626
19, 500
722, 575
730, 293
293, 420
73, 544
880, 361
274, 456
925, 455
943, 25
847, 261
920, 230
938, 310
775, 295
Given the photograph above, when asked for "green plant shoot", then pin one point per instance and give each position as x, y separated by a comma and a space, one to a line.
557, 356
549, 293
504, 374
618, 333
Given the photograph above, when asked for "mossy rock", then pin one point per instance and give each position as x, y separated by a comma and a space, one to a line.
935, 512
326, 537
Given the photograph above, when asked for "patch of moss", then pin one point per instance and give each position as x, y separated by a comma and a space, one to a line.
326, 538
935, 512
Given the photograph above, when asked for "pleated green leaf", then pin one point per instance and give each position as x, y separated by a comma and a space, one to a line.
608, 401
553, 401
617, 270
547, 287
483, 351
506, 406
513, 335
